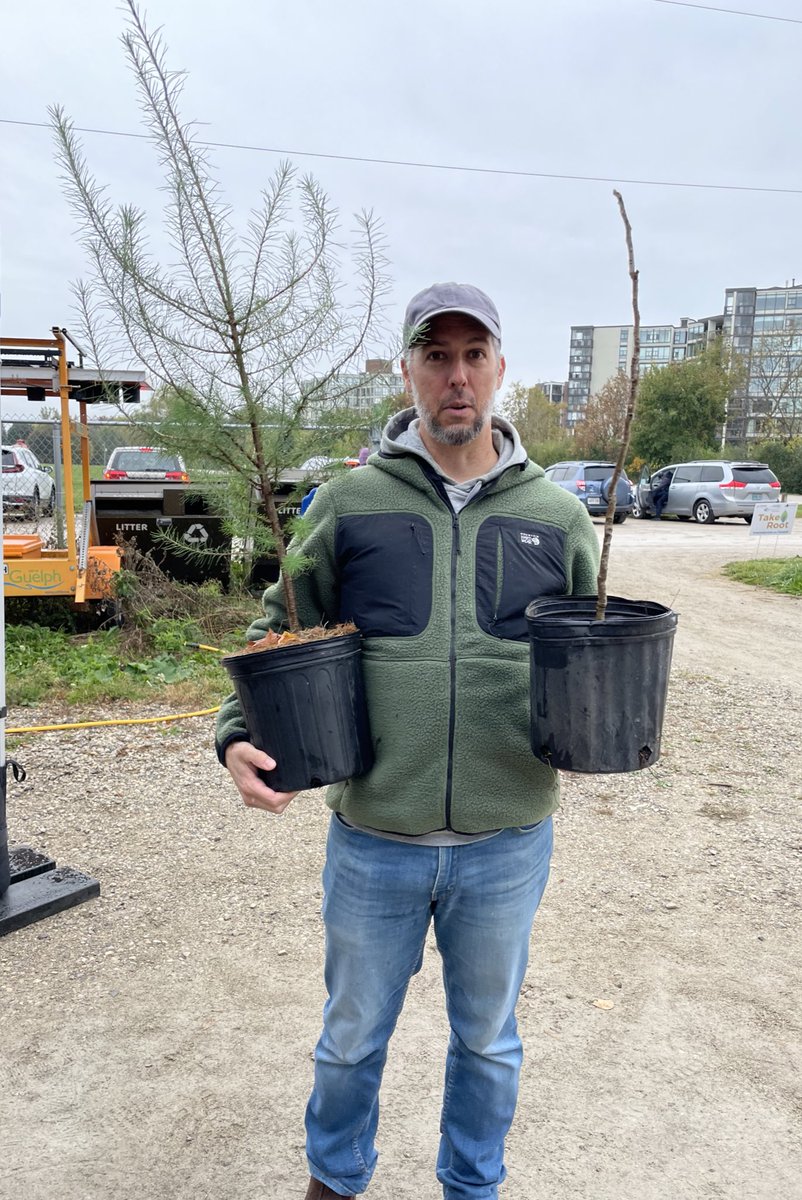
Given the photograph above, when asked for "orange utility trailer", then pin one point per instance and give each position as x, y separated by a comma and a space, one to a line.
39, 368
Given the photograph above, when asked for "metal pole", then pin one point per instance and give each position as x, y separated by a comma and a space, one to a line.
58, 507
66, 442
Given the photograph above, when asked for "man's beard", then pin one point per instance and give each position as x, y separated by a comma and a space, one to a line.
449, 435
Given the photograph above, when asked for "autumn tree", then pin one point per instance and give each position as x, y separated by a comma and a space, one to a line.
598, 434
536, 418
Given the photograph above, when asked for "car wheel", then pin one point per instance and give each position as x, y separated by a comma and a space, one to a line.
619, 518
748, 519
703, 512
639, 512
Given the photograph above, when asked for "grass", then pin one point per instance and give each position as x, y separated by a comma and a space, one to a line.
69, 669
49, 658
779, 574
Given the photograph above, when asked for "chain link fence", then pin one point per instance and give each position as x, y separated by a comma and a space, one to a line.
33, 472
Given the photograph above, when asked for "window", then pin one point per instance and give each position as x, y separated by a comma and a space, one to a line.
712, 474
753, 475
687, 473
599, 474
655, 335
765, 323
770, 302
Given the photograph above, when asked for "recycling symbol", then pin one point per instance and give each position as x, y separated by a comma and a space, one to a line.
196, 535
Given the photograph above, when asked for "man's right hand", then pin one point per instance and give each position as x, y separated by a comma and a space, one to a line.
244, 762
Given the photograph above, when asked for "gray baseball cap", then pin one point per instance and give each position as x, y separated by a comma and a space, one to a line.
445, 298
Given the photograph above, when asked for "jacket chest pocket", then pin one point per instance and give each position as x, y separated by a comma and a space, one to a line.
385, 564
516, 561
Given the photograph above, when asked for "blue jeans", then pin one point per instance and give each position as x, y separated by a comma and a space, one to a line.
379, 897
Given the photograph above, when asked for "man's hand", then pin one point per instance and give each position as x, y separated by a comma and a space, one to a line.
244, 761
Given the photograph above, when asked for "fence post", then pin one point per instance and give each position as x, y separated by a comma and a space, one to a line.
59, 508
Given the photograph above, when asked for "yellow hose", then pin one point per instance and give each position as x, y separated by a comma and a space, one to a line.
204, 712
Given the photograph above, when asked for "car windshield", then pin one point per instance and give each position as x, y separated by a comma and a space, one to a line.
145, 460
753, 475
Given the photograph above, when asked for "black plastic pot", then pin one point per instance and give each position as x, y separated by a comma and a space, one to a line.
598, 688
304, 704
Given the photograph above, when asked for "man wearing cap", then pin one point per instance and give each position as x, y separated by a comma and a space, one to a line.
434, 550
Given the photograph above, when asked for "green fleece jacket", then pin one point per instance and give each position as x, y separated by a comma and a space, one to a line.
440, 600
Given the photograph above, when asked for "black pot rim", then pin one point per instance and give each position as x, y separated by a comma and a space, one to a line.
581, 610
308, 647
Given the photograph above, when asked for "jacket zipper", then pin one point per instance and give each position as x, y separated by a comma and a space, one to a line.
452, 700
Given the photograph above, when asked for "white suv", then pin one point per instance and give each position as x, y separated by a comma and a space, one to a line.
27, 487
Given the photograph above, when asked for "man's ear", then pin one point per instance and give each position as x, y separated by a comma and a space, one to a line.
502, 367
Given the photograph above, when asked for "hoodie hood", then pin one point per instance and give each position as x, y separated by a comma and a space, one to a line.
402, 436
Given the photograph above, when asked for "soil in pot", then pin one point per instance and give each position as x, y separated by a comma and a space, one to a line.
304, 704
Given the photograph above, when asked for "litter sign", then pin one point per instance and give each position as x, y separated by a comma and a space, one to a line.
773, 519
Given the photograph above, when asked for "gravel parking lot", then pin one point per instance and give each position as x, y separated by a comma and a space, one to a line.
156, 1043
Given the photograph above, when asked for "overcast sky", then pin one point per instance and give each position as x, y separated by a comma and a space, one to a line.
625, 89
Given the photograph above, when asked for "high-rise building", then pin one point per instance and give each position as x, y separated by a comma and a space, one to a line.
764, 330
598, 352
557, 393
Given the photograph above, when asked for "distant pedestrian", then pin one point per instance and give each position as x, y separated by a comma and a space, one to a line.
660, 487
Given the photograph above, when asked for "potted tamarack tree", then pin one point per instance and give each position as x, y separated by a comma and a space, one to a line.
599, 665
245, 329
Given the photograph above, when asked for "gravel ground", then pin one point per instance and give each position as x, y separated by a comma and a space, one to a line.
156, 1042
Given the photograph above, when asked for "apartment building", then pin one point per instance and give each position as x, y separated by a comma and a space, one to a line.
361, 390
598, 352
764, 330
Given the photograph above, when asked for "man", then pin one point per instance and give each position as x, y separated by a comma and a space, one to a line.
434, 549
660, 488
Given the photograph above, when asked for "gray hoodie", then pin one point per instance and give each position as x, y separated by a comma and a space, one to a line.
402, 436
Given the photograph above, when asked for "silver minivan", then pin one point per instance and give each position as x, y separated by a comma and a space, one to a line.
707, 490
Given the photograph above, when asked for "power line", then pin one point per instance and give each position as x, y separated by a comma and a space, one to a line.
733, 12
431, 166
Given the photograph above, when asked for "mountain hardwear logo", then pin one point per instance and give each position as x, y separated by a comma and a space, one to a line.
530, 539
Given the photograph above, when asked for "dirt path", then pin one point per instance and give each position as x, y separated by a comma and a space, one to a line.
155, 1044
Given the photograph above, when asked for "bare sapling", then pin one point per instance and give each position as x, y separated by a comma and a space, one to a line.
634, 377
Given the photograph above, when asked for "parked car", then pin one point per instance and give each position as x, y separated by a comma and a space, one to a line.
321, 463
28, 487
145, 462
590, 482
706, 490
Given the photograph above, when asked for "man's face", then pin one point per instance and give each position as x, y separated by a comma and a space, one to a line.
453, 378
